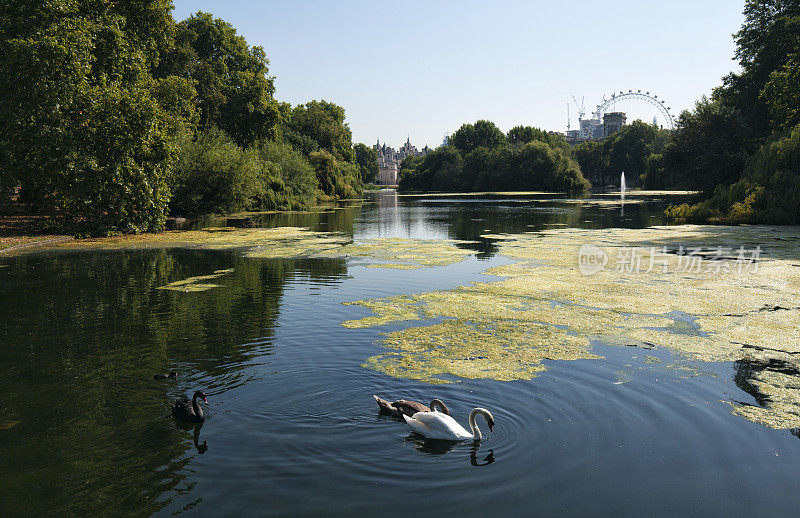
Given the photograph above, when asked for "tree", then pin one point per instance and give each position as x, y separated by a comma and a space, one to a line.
438, 171
782, 94
234, 90
710, 147
320, 125
519, 135
768, 39
84, 136
482, 133
367, 160
337, 179
629, 149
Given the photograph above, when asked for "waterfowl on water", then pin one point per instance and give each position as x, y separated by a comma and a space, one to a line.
435, 425
409, 408
172, 375
185, 410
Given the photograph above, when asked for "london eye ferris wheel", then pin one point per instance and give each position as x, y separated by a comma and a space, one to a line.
638, 105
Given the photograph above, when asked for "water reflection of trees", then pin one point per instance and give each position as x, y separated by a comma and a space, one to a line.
83, 334
338, 217
469, 217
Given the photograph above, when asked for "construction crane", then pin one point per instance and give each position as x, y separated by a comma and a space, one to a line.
581, 111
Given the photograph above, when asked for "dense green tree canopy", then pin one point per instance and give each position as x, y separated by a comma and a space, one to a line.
782, 94
81, 131
234, 90
367, 160
320, 125
481, 134
523, 162
105, 106
523, 134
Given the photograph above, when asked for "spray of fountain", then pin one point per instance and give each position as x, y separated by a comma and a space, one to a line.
622, 185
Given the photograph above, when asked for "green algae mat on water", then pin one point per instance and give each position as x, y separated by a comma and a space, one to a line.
289, 243
198, 283
709, 293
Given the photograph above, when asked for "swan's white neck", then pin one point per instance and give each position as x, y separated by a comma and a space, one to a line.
473, 427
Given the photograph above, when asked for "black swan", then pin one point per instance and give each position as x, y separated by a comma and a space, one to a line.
185, 410
172, 375
409, 408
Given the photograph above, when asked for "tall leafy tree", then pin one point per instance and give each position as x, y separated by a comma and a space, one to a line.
234, 89
81, 130
367, 160
320, 125
782, 94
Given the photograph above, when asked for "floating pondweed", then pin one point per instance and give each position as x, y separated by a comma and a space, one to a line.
690, 288
455, 349
387, 310
405, 254
288, 242
194, 284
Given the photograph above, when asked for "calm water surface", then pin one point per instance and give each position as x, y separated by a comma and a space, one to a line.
85, 430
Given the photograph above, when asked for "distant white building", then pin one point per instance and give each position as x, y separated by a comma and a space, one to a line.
389, 160
387, 173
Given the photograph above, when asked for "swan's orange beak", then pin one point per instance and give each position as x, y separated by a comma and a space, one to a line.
491, 425
206, 401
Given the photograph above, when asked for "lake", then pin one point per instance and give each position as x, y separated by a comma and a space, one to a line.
631, 428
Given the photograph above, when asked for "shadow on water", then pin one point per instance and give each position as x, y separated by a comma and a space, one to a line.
442, 447
747, 369
201, 448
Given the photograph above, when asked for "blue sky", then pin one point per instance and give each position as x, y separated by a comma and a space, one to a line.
422, 68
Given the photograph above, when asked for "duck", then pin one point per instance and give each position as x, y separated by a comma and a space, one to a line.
172, 375
409, 408
190, 411
436, 425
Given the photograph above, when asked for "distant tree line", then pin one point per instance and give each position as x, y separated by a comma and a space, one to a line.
480, 157
113, 116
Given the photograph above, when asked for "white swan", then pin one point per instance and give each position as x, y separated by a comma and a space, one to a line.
436, 425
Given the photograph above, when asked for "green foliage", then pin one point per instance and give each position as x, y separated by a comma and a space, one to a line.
768, 193
290, 182
97, 97
319, 125
710, 147
367, 160
85, 138
591, 158
214, 175
734, 141
482, 134
336, 178
439, 170
531, 166
234, 91
176, 96
630, 150
782, 94
523, 134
